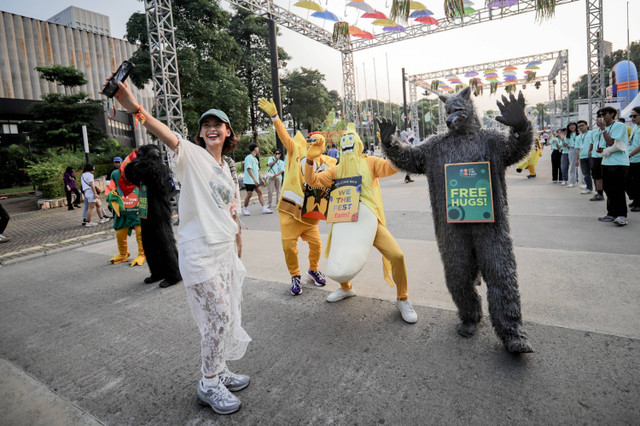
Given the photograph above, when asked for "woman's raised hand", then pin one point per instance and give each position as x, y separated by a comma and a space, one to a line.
125, 98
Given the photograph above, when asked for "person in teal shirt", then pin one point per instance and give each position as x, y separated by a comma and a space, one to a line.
251, 179
570, 141
556, 157
612, 144
633, 178
275, 172
583, 143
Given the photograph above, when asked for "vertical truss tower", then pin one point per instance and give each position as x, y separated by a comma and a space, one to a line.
164, 64
595, 57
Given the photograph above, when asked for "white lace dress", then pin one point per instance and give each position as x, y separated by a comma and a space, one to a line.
211, 271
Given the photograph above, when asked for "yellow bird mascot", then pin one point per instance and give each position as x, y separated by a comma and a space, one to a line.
349, 243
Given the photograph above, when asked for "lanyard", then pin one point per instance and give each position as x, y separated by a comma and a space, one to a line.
601, 138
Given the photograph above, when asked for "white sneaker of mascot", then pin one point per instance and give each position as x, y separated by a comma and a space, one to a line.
351, 243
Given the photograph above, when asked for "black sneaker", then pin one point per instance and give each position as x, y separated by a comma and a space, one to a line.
596, 197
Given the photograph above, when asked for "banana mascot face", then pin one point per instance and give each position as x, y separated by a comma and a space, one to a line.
350, 142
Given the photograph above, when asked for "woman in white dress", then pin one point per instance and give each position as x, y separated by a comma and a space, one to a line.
211, 269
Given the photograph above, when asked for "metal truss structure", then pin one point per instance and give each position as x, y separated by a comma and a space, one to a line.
560, 68
595, 57
164, 64
165, 68
479, 17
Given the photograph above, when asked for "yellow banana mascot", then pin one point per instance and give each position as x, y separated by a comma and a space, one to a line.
349, 243
292, 224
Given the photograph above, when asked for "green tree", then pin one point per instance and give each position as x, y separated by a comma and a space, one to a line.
306, 98
254, 70
208, 58
541, 109
59, 118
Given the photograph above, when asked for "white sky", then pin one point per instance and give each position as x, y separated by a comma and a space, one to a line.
497, 40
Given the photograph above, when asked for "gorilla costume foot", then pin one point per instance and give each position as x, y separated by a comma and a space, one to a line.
151, 279
518, 345
466, 328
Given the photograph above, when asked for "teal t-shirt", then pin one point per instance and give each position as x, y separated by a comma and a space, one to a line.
617, 131
634, 142
276, 168
583, 141
571, 141
555, 143
251, 162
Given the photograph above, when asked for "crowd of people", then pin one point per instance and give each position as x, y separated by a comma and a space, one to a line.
604, 159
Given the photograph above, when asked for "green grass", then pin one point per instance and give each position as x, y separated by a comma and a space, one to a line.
16, 189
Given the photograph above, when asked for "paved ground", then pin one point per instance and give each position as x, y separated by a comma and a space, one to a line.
85, 342
35, 232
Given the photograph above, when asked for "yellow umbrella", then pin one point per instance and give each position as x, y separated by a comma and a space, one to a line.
489, 71
384, 23
416, 5
311, 5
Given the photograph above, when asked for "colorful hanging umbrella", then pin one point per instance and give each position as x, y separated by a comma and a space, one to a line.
471, 74
451, 77
353, 30
510, 68
326, 15
509, 73
308, 4
429, 20
501, 3
385, 23
394, 28
358, 4
528, 71
416, 5
533, 67
490, 70
375, 15
530, 64
490, 75
365, 34
420, 13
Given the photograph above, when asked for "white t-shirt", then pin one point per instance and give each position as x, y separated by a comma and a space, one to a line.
207, 194
86, 178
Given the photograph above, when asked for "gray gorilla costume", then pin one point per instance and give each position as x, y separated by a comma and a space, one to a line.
470, 251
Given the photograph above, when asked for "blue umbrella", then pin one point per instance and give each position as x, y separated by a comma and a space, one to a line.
420, 13
325, 15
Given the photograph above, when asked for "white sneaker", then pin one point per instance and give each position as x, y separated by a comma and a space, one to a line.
265, 210
340, 294
564, 183
218, 398
407, 312
90, 224
245, 211
620, 221
585, 191
570, 185
583, 186
103, 220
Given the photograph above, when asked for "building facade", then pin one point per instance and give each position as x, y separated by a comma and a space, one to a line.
83, 19
26, 43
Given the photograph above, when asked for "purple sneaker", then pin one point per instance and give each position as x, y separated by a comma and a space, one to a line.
317, 277
296, 289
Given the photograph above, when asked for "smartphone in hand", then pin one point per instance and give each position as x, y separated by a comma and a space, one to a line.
121, 74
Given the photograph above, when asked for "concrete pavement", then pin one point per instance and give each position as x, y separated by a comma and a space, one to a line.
99, 344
